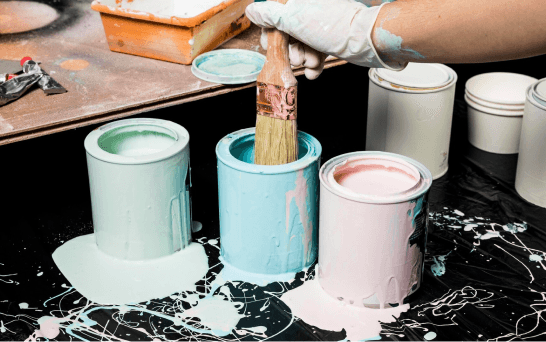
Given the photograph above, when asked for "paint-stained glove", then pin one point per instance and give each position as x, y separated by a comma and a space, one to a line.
340, 28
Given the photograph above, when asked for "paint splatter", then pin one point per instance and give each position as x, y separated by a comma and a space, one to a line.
439, 267
74, 64
430, 336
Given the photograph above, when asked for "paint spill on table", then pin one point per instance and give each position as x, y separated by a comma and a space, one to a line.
250, 312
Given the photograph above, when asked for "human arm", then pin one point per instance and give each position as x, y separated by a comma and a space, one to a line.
447, 31
460, 31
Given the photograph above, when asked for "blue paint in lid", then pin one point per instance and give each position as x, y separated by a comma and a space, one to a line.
228, 66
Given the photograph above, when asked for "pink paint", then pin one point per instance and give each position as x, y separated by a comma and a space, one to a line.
300, 195
376, 177
318, 309
372, 216
49, 328
276, 101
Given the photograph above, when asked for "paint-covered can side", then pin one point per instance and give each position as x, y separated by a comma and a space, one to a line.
531, 168
268, 222
371, 254
416, 124
140, 212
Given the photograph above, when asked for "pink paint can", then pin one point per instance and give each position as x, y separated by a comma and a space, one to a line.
373, 227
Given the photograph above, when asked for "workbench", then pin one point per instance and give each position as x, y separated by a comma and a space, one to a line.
102, 85
480, 283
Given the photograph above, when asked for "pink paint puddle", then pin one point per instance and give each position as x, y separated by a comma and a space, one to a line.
315, 307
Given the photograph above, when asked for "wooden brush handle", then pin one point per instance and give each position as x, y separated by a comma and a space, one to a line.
277, 68
276, 128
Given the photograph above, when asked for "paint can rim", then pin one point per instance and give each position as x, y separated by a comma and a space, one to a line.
223, 154
424, 184
480, 86
372, 75
254, 59
531, 97
492, 111
179, 134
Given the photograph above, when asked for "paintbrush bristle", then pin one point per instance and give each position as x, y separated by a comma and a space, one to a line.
276, 141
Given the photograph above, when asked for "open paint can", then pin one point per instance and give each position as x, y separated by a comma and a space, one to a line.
531, 169
495, 110
139, 177
410, 113
373, 227
268, 213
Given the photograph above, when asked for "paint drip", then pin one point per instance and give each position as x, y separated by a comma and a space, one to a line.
373, 219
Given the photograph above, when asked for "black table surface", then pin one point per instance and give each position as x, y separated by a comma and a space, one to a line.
491, 289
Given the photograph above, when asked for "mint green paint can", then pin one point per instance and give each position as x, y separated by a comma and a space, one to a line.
139, 180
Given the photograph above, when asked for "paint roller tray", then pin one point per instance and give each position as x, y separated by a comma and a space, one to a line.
169, 33
228, 66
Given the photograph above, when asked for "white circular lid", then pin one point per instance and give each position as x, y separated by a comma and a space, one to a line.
540, 89
489, 110
228, 66
493, 104
500, 87
418, 75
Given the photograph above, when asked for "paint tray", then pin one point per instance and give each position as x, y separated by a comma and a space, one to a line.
172, 39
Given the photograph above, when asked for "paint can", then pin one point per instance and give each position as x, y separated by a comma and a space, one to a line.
268, 213
373, 227
495, 110
139, 178
410, 113
531, 169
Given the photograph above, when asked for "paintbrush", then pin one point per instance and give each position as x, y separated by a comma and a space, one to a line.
276, 140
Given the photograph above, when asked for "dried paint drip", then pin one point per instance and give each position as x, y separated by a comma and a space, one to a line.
373, 211
281, 200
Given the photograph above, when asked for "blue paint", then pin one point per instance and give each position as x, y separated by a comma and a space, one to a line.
229, 66
65, 292
392, 44
258, 235
439, 267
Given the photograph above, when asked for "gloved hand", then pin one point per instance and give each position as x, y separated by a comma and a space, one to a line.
340, 28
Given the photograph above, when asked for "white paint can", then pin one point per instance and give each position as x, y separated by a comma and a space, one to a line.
531, 169
410, 113
373, 221
139, 179
495, 110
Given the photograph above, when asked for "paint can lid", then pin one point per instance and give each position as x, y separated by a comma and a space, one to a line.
490, 110
540, 90
500, 87
493, 105
228, 66
418, 75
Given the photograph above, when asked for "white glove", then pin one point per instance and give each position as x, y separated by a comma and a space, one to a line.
301, 54
341, 28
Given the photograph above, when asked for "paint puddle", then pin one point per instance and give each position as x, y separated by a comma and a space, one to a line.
22, 16
311, 304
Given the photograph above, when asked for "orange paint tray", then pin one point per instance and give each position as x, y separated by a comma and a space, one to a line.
172, 39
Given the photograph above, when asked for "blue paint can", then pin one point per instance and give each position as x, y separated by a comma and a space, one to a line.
268, 213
